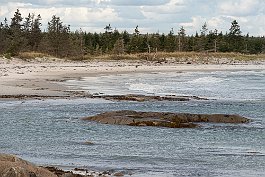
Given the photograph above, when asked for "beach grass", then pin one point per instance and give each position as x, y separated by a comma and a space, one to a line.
32, 55
193, 57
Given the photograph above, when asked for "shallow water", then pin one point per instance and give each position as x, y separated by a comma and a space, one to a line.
51, 132
233, 85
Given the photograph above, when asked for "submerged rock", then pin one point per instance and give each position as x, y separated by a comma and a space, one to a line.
163, 119
12, 166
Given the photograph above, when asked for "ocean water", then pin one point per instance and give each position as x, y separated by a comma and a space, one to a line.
51, 132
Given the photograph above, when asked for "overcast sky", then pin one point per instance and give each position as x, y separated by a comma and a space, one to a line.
151, 15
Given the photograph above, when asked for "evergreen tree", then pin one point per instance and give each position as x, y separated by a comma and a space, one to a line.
203, 38
32, 31
16, 21
27, 24
204, 29
58, 37
36, 36
133, 45
234, 29
4, 36
211, 41
170, 43
235, 38
162, 40
16, 39
144, 44
119, 47
181, 39
155, 42
108, 29
126, 37
97, 44
136, 30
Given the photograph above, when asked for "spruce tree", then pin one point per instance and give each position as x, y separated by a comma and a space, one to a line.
235, 38
17, 40
58, 37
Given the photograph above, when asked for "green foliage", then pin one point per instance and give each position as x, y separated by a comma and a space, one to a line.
235, 29
204, 29
7, 55
16, 21
182, 40
170, 43
119, 47
15, 38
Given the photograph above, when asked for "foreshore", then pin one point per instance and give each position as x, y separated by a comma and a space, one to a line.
21, 79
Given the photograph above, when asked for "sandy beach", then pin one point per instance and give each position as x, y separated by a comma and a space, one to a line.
42, 78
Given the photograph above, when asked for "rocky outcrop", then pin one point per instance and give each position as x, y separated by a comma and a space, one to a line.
25, 97
12, 166
79, 172
82, 94
141, 98
62, 173
163, 119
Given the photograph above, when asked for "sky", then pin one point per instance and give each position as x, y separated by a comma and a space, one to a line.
150, 15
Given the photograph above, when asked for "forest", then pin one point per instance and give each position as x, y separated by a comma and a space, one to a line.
24, 34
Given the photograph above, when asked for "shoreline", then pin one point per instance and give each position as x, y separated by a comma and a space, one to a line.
21, 79
12, 165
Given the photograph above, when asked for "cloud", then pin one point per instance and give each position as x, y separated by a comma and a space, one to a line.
130, 13
138, 2
152, 15
84, 15
195, 23
241, 7
172, 7
91, 18
57, 2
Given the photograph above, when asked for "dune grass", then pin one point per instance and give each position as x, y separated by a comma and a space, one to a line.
193, 57
32, 55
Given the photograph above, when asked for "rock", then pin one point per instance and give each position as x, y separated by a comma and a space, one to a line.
12, 166
21, 96
88, 143
141, 98
118, 174
61, 173
163, 119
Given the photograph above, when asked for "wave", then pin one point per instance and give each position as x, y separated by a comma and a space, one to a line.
148, 88
206, 80
248, 73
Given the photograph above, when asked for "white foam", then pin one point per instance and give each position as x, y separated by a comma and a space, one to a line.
206, 80
246, 73
145, 87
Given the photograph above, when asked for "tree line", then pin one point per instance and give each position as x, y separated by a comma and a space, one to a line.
24, 34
